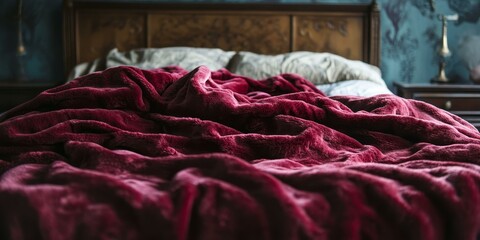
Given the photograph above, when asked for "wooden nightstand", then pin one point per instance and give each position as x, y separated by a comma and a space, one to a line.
460, 99
13, 94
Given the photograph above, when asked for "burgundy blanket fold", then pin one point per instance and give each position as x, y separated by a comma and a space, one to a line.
170, 154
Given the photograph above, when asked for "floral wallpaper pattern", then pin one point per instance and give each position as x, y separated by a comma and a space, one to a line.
410, 31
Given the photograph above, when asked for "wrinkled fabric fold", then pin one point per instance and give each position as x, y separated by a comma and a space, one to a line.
168, 154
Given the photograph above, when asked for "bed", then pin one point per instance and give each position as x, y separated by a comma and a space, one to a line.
248, 39
131, 150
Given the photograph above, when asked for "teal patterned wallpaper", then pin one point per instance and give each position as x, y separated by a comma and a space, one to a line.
42, 34
410, 32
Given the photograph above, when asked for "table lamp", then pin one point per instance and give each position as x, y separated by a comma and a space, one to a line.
444, 51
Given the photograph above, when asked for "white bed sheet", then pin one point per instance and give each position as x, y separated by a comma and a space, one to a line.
362, 88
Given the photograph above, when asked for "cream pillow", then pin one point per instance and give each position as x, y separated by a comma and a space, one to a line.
148, 58
186, 57
319, 68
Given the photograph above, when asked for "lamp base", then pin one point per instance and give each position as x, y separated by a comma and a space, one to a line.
439, 80
442, 77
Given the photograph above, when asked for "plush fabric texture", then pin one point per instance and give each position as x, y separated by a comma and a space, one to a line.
319, 68
169, 154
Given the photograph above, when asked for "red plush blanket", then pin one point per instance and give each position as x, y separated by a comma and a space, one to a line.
165, 154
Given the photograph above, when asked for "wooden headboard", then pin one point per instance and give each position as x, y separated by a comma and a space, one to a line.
92, 28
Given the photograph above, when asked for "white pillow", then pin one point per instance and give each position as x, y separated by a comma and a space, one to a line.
186, 57
319, 68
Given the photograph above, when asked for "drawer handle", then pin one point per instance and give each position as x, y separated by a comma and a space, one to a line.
448, 105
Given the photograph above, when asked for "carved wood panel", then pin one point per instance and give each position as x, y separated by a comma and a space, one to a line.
99, 32
337, 34
92, 28
258, 33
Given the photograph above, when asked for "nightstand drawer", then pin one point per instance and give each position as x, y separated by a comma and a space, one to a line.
450, 101
471, 117
462, 100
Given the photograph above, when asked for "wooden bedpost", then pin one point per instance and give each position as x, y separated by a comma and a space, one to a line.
375, 44
68, 36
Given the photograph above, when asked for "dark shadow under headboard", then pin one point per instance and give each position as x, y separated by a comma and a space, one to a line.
92, 28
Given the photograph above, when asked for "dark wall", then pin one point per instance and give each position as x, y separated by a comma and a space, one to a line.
42, 35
